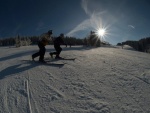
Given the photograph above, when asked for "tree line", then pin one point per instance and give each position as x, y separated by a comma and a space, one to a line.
33, 40
91, 40
142, 45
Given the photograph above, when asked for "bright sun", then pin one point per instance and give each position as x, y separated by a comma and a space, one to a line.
101, 32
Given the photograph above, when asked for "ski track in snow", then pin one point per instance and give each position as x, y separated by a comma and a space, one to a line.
100, 80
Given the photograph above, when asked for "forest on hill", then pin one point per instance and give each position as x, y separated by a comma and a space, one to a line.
142, 45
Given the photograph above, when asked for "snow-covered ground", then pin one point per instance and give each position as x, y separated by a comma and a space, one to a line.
100, 80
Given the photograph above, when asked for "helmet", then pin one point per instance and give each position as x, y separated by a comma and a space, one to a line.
50, 32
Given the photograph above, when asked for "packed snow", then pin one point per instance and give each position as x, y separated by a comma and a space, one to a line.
99, 80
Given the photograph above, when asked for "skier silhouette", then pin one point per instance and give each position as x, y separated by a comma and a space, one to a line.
57, 42
43, 41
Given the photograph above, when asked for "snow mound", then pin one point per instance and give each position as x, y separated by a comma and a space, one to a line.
127, 47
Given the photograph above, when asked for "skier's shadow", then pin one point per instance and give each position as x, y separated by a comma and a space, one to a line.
18, 68
13, 70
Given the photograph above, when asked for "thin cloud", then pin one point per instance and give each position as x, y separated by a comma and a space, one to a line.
131, 26
84, 5
94, 21
82, 26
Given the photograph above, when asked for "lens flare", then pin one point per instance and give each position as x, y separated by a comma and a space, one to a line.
101, 32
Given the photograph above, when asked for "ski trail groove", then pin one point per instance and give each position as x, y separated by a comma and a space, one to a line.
6, 98
34, 104
28, 96
143, 80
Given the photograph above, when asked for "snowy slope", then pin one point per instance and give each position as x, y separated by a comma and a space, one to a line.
100, 80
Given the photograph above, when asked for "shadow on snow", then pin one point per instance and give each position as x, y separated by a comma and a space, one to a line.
17, 55
18, 68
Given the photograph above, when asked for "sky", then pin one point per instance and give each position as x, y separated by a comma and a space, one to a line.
122, 19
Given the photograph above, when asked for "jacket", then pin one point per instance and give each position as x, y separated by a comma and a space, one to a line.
45, 39
58, 41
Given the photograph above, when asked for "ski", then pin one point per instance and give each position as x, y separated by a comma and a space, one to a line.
53, 59
45, 63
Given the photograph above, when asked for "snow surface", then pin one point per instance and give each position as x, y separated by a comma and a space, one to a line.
100, 80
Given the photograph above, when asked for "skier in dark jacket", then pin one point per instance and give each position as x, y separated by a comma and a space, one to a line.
57, 42
43, 41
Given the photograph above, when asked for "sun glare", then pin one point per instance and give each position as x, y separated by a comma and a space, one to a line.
101, 32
